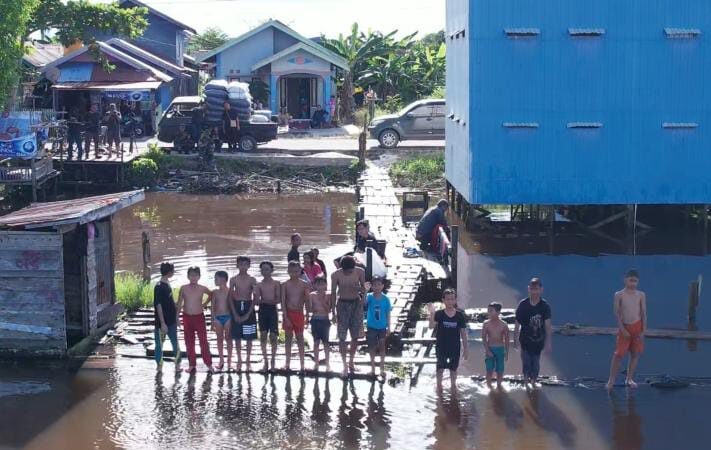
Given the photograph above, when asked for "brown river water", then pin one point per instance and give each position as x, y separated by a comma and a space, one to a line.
49, 406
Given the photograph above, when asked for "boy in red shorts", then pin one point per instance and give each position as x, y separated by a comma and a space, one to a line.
630, 307
294, 295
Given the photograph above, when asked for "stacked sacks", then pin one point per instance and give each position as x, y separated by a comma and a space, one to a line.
240, 99
215, 97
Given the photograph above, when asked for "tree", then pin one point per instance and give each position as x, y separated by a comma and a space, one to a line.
16, 14
71, 21
209, 39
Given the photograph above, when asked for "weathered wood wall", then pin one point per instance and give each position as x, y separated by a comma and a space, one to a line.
31, 294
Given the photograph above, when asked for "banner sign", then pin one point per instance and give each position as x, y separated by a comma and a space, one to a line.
132, 96
23, 147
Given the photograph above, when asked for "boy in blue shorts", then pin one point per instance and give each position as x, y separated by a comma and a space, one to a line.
319, 307
495, 336
378, 306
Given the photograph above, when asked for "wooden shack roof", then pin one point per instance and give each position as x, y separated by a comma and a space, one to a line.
76, 211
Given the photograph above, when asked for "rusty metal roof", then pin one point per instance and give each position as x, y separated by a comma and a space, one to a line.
39, 55
77, 211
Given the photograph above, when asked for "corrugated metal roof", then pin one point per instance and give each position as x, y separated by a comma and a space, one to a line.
39, 55
79, 211
101, 85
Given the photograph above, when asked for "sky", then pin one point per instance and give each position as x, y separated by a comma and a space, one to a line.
308, 17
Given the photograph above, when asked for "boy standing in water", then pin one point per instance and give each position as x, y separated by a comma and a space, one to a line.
533, 318
267, 294
320, 307
495, 336
378, 307
294, 295
166, 315
242, 308
450, 325
630, 306
190, 299
221, 317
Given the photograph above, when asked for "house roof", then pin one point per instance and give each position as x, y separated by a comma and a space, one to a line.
342, 62
326, 55
116, 53
76, 211
160, 14
40, 55
107, 86
150, 57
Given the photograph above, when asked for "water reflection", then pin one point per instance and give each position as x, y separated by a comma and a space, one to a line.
626, 423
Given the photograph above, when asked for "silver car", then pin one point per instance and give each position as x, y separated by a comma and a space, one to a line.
423, 119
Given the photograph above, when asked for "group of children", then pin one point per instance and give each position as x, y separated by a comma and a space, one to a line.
240, 306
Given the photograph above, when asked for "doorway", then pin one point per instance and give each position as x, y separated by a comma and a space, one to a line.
298, 95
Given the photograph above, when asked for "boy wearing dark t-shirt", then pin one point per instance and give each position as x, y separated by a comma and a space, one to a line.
533, 330
450, 325
166, 315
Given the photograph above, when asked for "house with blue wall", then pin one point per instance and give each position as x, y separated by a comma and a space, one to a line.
299, 72
574, 102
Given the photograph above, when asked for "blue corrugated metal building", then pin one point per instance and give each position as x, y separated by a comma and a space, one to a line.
555, 102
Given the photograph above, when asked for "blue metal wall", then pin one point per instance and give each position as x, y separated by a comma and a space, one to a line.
628, 81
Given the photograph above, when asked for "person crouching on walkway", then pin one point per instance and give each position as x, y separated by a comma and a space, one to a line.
190, 299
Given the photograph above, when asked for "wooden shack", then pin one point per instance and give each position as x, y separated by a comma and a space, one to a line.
57, 273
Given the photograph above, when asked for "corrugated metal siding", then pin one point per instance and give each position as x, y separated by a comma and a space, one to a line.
31, 293
630, 80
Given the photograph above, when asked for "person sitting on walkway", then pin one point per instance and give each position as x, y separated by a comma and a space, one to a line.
428, 224
318, 120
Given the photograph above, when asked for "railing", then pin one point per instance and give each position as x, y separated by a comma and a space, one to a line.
15, 171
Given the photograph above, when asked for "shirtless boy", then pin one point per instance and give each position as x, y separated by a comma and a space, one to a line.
348, 286
190, 299
221, 317
320, 307
294, 295
244, 319
630, 306
267, 294
495, 336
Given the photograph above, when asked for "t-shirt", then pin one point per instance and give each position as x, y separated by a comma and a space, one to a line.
312, 271
163, 296
378, 309
532, 320
293, 255
362, 243
448, 329
433, 217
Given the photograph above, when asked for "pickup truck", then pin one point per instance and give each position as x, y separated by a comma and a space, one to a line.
180, 112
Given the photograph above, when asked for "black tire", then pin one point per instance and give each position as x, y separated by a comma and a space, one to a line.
389, 138
247, 143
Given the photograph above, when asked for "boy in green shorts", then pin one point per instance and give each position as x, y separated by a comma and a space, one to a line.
495, 335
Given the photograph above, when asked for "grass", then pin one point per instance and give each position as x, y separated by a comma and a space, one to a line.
132, 292
419, 171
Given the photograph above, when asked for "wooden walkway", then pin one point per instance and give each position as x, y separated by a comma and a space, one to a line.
139, 149
381, 207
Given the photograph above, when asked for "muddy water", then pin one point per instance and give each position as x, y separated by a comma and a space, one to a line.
129, 406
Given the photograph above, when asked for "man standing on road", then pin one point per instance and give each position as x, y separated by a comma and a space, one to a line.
433, 217
230, 126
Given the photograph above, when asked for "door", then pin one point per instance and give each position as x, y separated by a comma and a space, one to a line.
416, 124
437, 130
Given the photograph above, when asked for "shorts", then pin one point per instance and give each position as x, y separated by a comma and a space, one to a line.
632, 343
448, 358
495, 363
246, 330
320, 327
297, 320
373, 336
223, 319
350, 318
268, 319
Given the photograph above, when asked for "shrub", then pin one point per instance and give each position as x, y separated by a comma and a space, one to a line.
419, 171
143, 173
132, 292
155, 154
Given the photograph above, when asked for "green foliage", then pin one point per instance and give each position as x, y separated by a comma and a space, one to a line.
259, 90
155, 154
143, 173
15, 15
132, 292
209, 39
419, 171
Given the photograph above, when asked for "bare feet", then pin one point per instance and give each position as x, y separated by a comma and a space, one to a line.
190, 369
631, 384
610, 384
265, 367
220, 366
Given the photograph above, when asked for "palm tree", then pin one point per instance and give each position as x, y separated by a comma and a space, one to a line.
357, 48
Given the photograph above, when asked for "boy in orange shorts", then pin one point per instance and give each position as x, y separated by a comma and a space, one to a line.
630, 307
294, 295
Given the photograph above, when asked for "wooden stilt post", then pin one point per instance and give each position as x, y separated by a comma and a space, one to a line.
34, 180
368, 264
693, 300
361, 213
705, 229
630, 235
454, 229
146, 245
362, 140
551, 230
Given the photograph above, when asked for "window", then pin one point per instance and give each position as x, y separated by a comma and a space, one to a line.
438, 110
422, 111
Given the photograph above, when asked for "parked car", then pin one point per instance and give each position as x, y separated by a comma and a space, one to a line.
423, 119
180, 112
